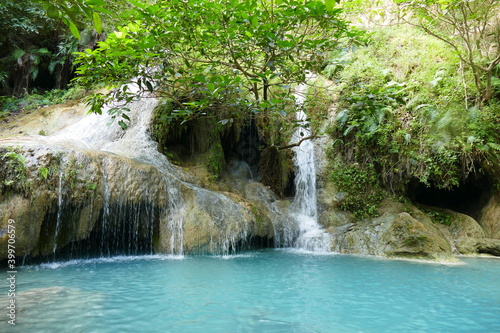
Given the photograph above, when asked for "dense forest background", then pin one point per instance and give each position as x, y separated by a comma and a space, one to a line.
408, 91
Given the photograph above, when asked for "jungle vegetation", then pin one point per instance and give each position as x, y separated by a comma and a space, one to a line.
411, 88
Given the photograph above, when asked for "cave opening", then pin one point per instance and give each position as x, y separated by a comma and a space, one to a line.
468, 198
249, 146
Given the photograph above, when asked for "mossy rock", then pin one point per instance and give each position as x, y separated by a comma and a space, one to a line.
396, 234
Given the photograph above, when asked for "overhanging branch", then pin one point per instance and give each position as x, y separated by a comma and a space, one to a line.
296, 144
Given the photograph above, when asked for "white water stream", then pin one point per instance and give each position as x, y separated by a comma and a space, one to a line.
311, 237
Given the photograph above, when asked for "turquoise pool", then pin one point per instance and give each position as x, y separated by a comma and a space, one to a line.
262, 291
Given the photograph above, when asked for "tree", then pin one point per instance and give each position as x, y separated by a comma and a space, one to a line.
470, 27
36, 50
27, 40
70, 11
203, 56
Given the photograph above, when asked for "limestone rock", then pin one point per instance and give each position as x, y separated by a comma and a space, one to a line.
96, 197
489, 246
489, 217
394, 235
466, 232
329, 201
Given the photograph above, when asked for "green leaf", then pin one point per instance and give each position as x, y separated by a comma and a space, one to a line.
493, 145
97, 3
329, 4
74, 30
134, 27
52, 12
97, 22
122, 124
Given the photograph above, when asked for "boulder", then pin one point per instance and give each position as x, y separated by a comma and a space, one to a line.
489, 246
489, 218
398, 235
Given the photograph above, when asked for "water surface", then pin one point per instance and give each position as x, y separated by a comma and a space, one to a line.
263, 291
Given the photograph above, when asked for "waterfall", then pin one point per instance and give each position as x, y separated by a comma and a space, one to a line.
105, 214
157, 213
304, 207
123, 221
117, 195
59, 210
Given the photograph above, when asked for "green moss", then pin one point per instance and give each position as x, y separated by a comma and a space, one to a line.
14, 173
364, 193
414, 241
215, 162
439, 216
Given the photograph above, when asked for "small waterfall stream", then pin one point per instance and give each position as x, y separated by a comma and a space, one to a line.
59, 209
304, 207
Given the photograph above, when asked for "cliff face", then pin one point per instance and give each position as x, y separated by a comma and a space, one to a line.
101, 203
489, 218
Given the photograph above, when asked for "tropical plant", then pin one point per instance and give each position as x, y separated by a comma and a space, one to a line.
70, 12
408, 116
246, 53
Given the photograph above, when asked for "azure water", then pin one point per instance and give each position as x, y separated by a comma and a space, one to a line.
264, 291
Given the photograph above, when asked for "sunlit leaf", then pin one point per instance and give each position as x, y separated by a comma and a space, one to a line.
97, 22
74, 30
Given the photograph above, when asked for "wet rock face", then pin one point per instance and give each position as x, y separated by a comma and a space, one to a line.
404, 231
93, 199
393, 235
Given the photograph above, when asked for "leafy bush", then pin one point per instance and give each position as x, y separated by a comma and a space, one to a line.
361, 183
13, 105
404, 109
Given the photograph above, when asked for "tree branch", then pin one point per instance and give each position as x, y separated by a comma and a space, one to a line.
295, 144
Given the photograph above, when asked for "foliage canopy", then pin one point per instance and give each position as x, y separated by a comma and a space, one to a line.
246, 53
406, 114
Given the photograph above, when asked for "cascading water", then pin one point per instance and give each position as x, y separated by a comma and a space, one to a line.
304, 207
136, 144
59, 209
166, 204
105, 213
117, 195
